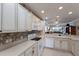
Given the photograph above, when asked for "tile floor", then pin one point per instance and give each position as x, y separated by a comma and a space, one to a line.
54, 52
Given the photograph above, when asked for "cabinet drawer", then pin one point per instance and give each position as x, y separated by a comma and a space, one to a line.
28, 52
35, 50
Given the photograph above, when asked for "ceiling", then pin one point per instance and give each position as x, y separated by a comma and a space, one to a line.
51, 11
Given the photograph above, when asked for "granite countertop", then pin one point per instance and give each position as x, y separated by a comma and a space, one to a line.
18, 49
72, 37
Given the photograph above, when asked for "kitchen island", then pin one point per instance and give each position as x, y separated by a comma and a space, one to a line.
68, 43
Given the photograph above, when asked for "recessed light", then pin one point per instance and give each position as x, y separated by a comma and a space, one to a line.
42, 11
46, 18
70, 12
57, 16
56, 22
60, 8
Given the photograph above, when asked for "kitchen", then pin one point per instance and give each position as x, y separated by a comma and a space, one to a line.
28, 29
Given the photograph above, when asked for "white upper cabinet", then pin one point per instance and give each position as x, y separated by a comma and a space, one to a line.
29, 21
41, 25
0, 17
22, 17
9, 20
35, 22
14, 17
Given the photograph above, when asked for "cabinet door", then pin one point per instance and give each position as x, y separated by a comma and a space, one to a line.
78, 51
36, 23
49, 42
0, 16
40, 47
9, 17
35, 50
73, 47
76, 48
29, 21
22, 54
57, 44
28, 52
32, 51
21, 18
41, 25
64, 45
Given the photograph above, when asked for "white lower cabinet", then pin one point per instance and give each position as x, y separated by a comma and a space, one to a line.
28, 52
49, 42
35, 50
40, 47
64, 45
72, 47
61, 44
57, 44
78, 51
22, 54
75, 48
32, 51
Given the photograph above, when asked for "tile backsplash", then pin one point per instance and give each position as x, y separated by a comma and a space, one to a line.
10, 39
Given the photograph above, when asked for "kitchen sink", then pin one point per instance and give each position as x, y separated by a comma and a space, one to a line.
36, 38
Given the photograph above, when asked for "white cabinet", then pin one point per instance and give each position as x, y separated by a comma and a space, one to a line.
29, 21
49, 42
32, 51
0, 17
28, 52
22, 54
9, 20
35, 50
62, 44
35, 23
40, 47
14, 17
78, 51
57, 44
22, 13
75, 47
72, 46
40, 25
